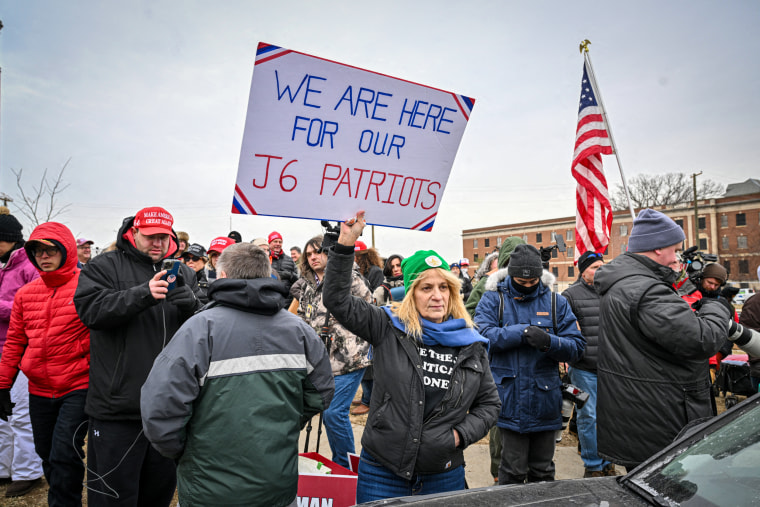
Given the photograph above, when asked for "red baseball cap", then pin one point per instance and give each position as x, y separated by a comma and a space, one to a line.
360, 245
273, 236
220, 243
84, 241
154, 220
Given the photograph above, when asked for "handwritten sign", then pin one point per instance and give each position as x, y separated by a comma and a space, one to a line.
323, 139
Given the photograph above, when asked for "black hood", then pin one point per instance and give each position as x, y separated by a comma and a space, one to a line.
265, 296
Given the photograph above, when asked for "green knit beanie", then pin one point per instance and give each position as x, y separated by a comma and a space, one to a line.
422, 260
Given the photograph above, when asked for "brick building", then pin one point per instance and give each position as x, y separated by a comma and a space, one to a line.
729, 226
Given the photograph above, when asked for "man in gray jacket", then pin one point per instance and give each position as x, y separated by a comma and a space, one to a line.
654, 350
230, 393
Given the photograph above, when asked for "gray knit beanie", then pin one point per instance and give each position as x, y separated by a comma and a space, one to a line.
652, 230
525, 262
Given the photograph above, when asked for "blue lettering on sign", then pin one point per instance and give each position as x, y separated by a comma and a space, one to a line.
316, 130
421, 114
367, 136
367, 97
307, 79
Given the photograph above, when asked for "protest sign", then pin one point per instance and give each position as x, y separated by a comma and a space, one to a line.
324, 139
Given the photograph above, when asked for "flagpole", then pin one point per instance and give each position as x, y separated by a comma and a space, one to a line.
598, 93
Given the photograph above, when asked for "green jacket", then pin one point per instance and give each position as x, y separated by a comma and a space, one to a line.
230, 393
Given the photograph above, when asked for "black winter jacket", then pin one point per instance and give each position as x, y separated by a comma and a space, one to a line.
585, 302
653, 359
286, 268
128, 328
395, 434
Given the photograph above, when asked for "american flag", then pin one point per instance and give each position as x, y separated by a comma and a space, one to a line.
593, 218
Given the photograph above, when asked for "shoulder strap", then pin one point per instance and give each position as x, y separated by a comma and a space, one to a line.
501, 308
554, 312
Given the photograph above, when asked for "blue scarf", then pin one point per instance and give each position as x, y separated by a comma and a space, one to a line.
449, 333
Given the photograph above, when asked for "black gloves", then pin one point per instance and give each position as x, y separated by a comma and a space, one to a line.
6, 407
182, 297
537, 338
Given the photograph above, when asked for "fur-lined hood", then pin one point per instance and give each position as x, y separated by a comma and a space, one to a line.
547, 278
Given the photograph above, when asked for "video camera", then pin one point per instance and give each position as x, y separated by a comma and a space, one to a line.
332, 233
571, 395
695, 261
546, 252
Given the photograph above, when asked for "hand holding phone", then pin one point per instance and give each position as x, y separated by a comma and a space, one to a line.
171, 266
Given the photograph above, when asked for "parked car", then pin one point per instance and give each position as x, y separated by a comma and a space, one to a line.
743, 295
713, 463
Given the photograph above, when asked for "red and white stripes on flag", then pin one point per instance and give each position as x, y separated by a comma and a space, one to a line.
593, 218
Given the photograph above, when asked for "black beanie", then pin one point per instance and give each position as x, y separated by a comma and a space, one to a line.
588, 258
10, 229
525, 262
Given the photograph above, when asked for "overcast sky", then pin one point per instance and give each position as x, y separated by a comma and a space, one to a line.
148, 99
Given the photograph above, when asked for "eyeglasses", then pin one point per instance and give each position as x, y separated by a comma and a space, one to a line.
193, 258
50, 251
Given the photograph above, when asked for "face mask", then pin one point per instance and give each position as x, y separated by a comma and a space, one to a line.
522, 289
713, 294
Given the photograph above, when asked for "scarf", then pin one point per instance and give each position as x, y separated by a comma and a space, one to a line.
449, 333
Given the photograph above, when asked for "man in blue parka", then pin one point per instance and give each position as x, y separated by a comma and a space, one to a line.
529, 336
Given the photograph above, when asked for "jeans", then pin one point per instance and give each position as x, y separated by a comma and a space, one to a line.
59, 426
377, 482
337, 423
123, 469
586, 381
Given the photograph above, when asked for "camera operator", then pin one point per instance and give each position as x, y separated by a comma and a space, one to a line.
653, 368
348, 352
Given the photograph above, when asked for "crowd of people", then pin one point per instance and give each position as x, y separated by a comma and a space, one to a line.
162, 352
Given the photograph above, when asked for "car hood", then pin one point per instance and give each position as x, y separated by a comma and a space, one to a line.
602, 491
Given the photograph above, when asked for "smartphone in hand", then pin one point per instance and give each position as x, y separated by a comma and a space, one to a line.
172, 269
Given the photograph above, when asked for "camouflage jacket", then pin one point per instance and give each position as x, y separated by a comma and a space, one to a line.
347, 351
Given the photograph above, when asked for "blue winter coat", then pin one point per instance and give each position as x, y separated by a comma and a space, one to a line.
527, 379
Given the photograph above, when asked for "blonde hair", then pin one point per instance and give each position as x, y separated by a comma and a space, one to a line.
407, 312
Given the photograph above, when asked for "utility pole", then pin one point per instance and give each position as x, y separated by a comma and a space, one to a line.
696, 209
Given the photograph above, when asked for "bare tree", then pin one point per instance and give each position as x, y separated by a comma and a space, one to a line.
42, 203
663, 189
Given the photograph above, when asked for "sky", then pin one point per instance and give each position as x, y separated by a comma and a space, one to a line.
147, 100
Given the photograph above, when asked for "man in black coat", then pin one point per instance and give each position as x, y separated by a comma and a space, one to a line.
132, 315
584, 301
654, 350
281, 262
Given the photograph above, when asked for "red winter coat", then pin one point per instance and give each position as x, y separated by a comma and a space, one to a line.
46, 339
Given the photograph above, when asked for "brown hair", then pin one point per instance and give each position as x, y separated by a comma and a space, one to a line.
367, 258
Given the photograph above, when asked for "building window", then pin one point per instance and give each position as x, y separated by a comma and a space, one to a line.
741, 242
743, 267
702, 223
498, 241
474, 243
724, 243
570, 252
487, 242
539, 237
555, 272
571, 271
570, 235
724, 220
525, 238
679, 222
554, 253
623, 230
623, 249
727, 265
607, 250
475, 258
741, 219
703, 243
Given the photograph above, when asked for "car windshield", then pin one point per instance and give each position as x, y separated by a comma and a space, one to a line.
723, 468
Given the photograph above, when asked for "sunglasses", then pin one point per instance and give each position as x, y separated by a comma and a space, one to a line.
193, 258
50, 251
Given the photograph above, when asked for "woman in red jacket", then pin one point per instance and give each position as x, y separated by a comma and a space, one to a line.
47, 341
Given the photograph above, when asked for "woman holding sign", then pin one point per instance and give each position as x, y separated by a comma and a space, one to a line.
433, 394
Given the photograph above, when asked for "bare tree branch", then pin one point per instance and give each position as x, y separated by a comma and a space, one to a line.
663, 190
47, 191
